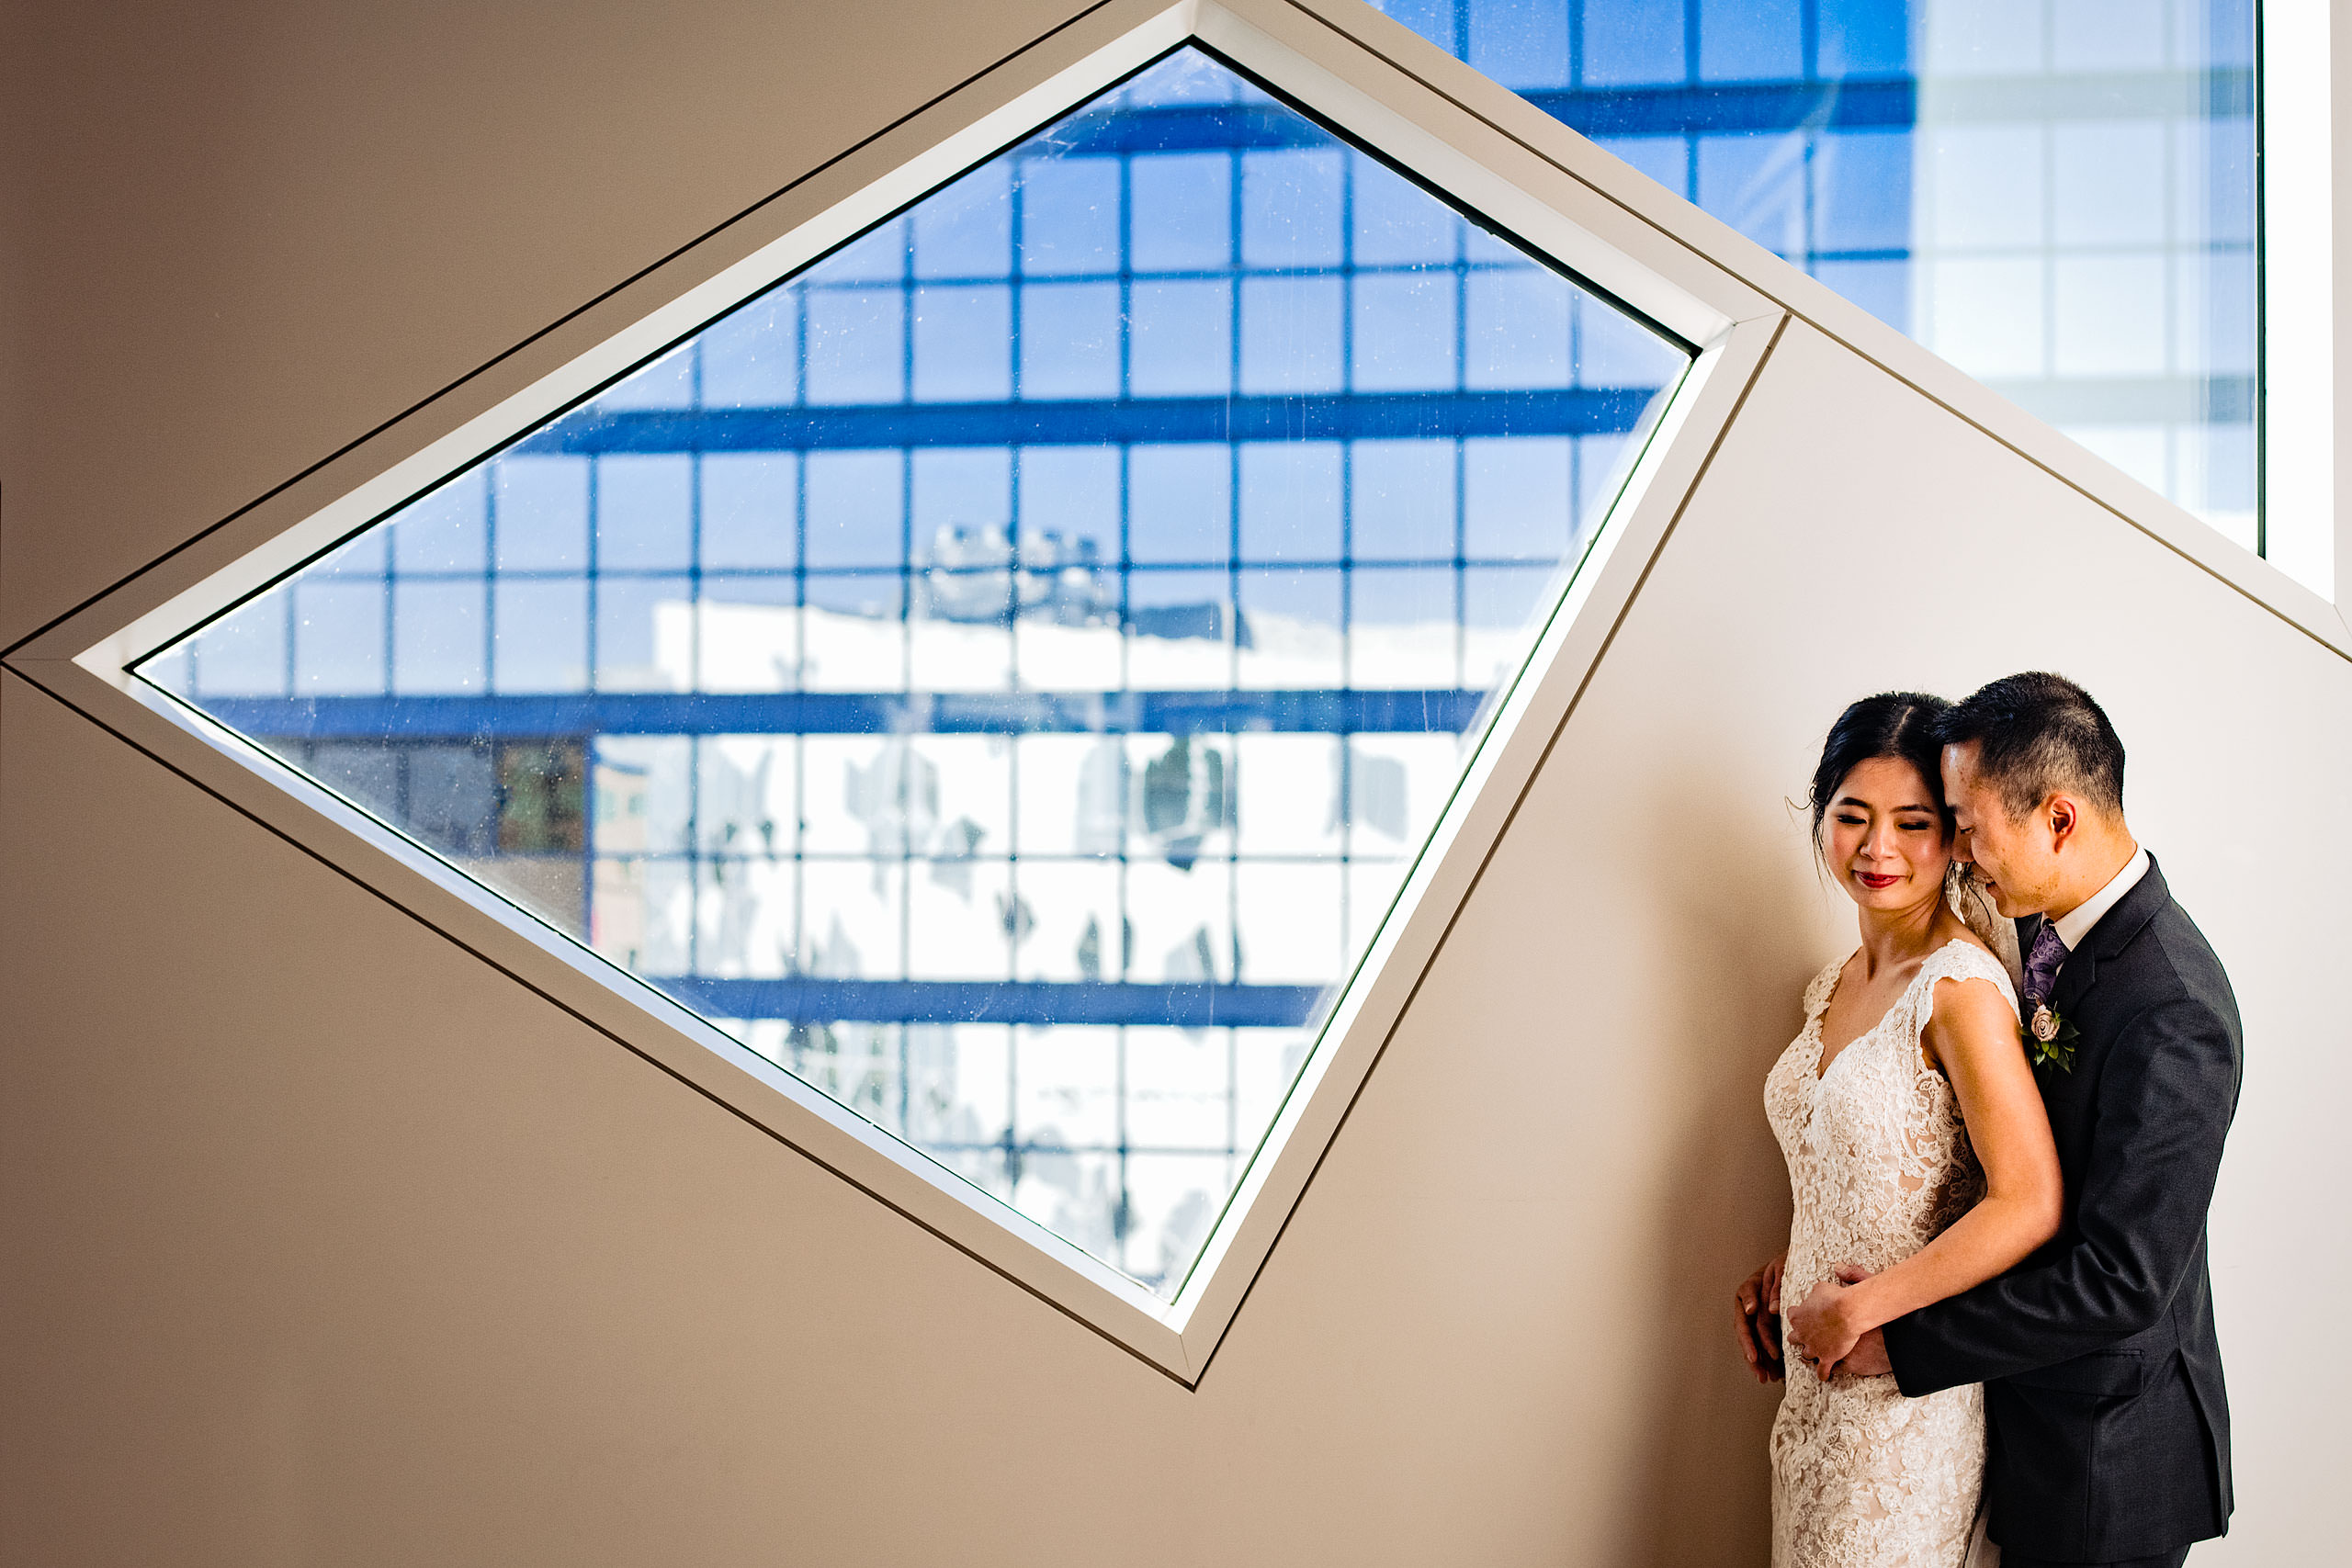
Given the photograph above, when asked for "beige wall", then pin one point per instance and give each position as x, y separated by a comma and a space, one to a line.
326, 1244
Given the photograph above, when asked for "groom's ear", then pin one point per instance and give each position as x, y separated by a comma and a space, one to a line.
2063, 815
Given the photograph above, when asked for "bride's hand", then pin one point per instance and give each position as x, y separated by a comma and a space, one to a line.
1820, 1327
1755, 1306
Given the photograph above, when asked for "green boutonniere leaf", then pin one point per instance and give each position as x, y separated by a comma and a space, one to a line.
2049, 1038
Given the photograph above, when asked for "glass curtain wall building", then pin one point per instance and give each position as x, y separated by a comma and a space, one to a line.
1002, 674
2056, 196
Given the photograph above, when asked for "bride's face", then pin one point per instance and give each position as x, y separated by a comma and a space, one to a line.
1884, 838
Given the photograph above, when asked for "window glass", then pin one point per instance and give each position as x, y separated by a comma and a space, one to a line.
2053, 195
1003, 673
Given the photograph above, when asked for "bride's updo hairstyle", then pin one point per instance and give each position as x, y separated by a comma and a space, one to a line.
1901, 726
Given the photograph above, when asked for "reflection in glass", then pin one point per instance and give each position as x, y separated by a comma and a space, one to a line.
1003, 673
2056, 196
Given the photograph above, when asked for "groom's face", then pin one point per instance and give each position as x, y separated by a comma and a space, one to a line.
2018, 863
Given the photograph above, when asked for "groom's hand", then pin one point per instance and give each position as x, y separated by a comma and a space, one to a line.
1868, 1358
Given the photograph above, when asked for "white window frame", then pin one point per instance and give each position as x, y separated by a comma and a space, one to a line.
1397, 94
2305, 67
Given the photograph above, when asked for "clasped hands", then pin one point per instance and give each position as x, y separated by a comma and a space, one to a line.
1820, 1331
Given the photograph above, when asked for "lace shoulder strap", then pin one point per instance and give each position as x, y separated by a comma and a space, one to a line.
1816, 995
1956, 960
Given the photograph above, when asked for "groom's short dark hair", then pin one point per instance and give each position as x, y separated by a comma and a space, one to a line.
2038, 734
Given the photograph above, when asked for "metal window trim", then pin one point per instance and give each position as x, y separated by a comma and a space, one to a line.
1521, 182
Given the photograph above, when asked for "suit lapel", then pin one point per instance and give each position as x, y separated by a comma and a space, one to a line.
2110, 937
2075, 977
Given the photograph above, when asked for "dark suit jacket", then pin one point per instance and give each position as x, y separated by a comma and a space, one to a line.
2108, 1430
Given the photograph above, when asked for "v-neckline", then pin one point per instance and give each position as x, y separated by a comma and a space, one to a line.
1822, 1060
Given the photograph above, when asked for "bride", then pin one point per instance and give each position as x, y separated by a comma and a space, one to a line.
1919, 1158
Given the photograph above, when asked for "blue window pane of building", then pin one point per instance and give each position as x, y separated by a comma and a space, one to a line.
644, 506
1516, 499
438, 636
1403, 336
643, 633
1292, 210
963, 343
1515, 330
858, 345
966, 230
1181, 213
751, 359
1181, 339
1862, 182
1291, 496
2105, 35
1069, 340
1521, 43
969, 488
856, 509
444, 531
747, 519
1002, 673
1292, 334
1633, 43
1289, 627
1069, 216
1949, 167
1393, 223
1072, 494
1405, 626
2107, 181
1180, 505
541, 513
248, 654
1403, 500
1984, 37
542, 635
339, 637
1862, 37
1751, 40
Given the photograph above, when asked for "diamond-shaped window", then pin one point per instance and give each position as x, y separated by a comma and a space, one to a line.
1003, 673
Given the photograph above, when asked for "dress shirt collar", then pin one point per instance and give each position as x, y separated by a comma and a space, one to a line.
2076, 924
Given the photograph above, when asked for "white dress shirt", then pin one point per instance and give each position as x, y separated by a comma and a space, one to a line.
2077, 923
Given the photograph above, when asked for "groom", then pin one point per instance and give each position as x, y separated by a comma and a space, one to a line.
2108, 1434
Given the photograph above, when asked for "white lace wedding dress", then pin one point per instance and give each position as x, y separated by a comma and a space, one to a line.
1879, 1164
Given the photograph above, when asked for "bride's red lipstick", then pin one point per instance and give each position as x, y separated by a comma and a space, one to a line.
1875, 883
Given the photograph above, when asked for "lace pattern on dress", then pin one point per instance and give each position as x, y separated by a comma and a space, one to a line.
1878, 1165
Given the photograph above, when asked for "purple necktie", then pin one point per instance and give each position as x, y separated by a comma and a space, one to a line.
2042, 963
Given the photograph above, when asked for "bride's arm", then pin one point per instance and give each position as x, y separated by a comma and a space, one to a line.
1972, 1036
